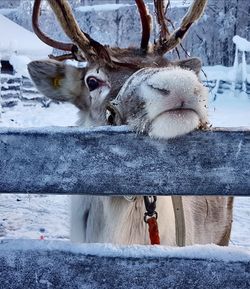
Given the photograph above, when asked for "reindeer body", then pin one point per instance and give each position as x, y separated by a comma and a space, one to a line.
119, 221
153, 96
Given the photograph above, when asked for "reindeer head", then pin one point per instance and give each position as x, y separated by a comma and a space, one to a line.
131, 86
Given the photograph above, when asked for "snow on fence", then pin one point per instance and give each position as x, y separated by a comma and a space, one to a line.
115, 161
43, 264
243, 46
220, 78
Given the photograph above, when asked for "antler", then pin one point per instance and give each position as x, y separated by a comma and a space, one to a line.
194, 12
93, 51
84, 47
46, 39
146, 24
160, 10
71, 28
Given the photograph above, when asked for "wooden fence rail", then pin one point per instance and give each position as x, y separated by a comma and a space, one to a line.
45, 264
115, 161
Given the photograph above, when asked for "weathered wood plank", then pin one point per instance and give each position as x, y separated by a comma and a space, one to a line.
114, 161
41, 264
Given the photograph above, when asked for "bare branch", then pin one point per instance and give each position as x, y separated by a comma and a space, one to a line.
194, 12
146, 24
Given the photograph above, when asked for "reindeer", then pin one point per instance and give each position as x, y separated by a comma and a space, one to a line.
141, 88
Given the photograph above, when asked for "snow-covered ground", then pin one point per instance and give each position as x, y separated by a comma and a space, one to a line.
36, 216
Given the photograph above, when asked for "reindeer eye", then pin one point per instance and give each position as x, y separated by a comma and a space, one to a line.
92, 83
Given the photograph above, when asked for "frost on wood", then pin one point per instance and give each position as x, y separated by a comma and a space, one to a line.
41, 264
113, 161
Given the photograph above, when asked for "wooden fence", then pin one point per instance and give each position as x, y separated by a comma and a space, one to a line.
115, 161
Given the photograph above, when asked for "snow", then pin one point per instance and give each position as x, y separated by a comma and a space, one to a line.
244, 46
208, 252
112, 7
6, 11
180, 3
231, 109
19, 64
17, 40
241, 43
26, 216
24, 115
101, 8
238, 73
241, 224
220, 72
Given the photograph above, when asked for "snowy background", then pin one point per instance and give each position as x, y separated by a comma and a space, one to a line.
211, 39
36, 216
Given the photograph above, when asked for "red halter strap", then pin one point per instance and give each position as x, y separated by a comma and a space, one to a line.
153, 231
150, 217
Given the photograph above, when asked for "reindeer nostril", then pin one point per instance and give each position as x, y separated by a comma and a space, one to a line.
182, 104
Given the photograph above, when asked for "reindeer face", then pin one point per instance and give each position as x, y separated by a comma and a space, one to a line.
162, 102
150, 94
87, 88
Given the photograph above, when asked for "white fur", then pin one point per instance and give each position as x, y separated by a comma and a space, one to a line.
173, 124
171, 99
115, 220
176, 102
184, 90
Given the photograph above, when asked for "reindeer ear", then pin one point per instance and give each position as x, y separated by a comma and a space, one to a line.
193, 64
54, 79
